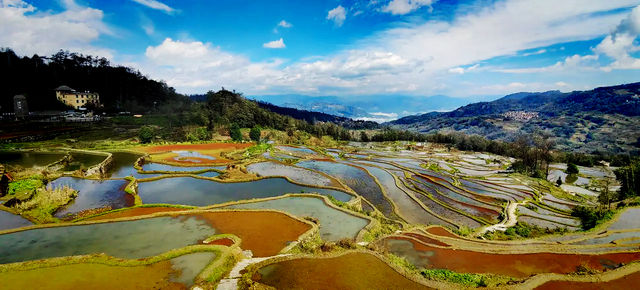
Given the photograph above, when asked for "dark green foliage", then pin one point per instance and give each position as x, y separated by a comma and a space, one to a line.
472, 280
591, 217
629, 178
198, 134
571, 178
234, 133
364, 137
146, 134
254, 134
572, 169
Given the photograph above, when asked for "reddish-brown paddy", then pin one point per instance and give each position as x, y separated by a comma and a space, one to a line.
514, 265
440, 231
265, 233
630, 281
349, 271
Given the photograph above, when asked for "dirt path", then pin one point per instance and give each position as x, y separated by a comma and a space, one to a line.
510, 220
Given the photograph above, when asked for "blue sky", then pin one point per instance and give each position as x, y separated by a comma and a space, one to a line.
463, 49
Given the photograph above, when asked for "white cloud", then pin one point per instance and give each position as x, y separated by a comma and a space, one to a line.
401, 7
29, 31
157, 5
462, 70
415, 58
284, 23
573, 63
620, 44
539, 51
274, 44
337, 15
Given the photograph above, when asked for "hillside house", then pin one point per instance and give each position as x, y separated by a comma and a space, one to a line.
76, 99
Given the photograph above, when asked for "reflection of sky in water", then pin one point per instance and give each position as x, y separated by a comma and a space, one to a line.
184, 155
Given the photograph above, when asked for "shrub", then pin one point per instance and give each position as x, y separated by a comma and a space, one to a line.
473, 280
572, 168
590, 217
198, 134
234, 133
25, 185
145, 134
254, 134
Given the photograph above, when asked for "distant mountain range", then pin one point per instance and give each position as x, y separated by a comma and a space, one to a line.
605, 119
373, 108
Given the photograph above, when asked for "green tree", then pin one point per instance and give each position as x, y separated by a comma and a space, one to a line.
364, 137
235, 133
254, 134
146, 134
572, 168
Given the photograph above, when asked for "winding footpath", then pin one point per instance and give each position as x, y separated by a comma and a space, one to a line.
509, 221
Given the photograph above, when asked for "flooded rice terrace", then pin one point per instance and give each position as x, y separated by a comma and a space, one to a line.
354, 217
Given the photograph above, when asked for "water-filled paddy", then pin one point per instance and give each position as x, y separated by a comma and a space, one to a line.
334, 224
29, 159
200, 192
514, 265
408, 207
628, 219
188, 267
122, 165
128, 239
93, 194
441, 210
349, 271
12, 221
297, 174
357, 179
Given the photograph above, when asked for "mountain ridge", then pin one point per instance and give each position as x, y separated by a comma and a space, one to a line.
594, 118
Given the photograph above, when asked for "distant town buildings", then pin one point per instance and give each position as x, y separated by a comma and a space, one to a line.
520, 115
76, 99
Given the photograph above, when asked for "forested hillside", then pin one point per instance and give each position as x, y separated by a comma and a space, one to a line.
36, 77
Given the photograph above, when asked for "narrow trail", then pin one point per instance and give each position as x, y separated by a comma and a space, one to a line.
510, 220
231, 281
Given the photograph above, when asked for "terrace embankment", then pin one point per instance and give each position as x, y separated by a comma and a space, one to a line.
349, 271
133, 212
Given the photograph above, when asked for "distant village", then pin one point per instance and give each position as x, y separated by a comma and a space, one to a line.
82, 102
520, 115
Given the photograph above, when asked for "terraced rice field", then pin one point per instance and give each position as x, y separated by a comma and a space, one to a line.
353, 218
